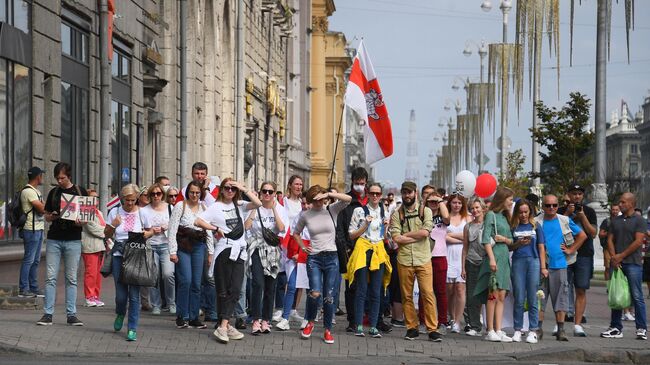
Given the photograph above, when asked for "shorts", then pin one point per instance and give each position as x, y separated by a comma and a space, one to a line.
557, 289
580, 273
646, 269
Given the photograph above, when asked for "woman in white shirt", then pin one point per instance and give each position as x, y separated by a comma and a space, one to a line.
155, 217
458, 217
264, 257
187, 247
226, 219
120, 222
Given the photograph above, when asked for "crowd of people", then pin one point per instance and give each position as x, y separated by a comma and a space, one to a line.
240, 257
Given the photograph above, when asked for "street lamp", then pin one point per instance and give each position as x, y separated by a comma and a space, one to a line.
482, 50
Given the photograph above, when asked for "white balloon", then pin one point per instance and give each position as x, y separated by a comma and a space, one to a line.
465, 183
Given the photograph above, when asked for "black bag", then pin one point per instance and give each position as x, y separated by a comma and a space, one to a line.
341, 249
107, 264
138, 264
16, 216
270, 237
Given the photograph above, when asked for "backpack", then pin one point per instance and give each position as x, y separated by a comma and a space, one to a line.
16, 216
366, 211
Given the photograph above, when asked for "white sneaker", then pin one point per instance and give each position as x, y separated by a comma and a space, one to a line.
172, 309
90, 302
627, 316
532, 337
554, 333
277, 316
294, 316
455, 328
493, 337
221, 334
303, 324
504, 337
578, 331
517, 336
473, 333
283, 325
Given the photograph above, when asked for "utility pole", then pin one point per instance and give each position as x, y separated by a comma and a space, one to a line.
104, 108
183, 63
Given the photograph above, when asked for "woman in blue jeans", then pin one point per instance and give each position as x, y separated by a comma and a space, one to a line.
526, 266
188, 253
120, 222
322, 259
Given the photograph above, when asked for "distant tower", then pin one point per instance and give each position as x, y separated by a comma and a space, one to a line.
412, 172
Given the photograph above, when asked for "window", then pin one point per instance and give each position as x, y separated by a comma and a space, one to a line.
120, 145
121, 67
15, 135
634, 149
16, 13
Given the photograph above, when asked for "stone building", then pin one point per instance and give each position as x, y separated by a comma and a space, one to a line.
644, 131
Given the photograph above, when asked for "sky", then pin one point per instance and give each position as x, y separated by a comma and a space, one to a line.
416, 47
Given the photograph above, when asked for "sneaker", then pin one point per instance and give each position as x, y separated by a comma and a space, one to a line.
294, 316
450, 325
473, 333
118, 323
627, 316
98, 302
257, 328
350, 328
435, 336
26, 294
306, 332
195, 323
39, 293
578, 331
277, 316
641, 334
455, 328
240, 324
540, 334
131, 335
181, 323
412, 334
234, 334
90, 302
517, 336
46, 320
172, 309
339, 312
374, 332
359, 331
221, 334
561, 336
568, 318
554, 333
303, 324
397, 323
156, 311
612, 333
283, 325
493, 337
266, 327
504, 337
532, 337
74, 321
384, 327
327, 337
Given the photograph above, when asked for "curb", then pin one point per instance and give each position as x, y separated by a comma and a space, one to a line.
618, 356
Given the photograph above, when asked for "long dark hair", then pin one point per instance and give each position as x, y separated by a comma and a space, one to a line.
198, 185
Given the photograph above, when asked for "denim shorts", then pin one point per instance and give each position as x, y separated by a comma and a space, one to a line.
581, 272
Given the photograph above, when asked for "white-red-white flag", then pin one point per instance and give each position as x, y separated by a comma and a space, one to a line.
363, 95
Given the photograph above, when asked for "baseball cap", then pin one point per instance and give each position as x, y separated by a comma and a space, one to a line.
575, 186
34, 171
409, 185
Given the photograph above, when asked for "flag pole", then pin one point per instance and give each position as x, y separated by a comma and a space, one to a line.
336, 146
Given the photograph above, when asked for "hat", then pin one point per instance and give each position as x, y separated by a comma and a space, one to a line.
575, 186
143, 190
409, 185
34, 172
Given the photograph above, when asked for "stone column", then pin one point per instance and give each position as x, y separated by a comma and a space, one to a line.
320, 135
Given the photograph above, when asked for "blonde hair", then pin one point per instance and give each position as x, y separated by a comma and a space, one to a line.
129, 189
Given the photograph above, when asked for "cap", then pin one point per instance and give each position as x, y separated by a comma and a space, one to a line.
143, 190
575, 186
409, 185
34, 171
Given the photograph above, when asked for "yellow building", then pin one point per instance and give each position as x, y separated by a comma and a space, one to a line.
329, 61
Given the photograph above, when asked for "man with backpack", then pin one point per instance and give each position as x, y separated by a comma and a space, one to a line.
30, 210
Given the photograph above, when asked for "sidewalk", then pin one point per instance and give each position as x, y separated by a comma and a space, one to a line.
158, 336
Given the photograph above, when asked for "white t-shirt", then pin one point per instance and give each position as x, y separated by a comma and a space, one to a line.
224, 216
156, 218
269, 221
131, 222
292, 209
375, 231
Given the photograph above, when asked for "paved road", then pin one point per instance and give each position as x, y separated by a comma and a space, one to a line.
159, 339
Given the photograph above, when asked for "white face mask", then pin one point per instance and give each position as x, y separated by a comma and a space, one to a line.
359, 188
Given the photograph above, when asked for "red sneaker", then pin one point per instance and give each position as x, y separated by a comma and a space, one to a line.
327, 337
306, 332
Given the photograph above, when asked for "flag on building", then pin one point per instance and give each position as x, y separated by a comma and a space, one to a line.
363, 95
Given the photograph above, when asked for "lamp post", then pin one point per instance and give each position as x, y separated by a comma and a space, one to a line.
482, 51
466, 138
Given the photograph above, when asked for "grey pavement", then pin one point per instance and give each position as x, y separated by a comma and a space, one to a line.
158, 338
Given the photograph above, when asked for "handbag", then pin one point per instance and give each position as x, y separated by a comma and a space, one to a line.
187, 238
107, 264
138, 264
269, 236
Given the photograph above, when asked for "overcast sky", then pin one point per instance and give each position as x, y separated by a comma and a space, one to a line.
416, 47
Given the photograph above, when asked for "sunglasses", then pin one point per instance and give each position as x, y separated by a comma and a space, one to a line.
550, 205
230, 189
156, 193
266, 191
374, 193
172, 196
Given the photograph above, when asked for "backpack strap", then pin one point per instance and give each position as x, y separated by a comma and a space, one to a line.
366, 211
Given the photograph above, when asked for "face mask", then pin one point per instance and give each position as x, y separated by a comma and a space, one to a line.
359, 188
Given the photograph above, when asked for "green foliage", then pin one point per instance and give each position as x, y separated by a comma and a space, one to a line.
515, 176
568, 142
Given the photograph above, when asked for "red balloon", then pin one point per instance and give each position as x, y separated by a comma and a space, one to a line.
486, 185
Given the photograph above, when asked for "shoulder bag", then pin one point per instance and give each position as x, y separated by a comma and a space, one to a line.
269, 236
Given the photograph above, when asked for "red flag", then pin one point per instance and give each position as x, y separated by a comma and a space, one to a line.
363, 95
111, 14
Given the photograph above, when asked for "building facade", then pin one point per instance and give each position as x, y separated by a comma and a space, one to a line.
644, 131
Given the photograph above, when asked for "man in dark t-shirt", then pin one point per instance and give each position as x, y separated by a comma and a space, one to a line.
614, 211
63, 241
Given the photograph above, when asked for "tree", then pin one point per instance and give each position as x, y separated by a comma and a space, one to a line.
515, 178
568, 142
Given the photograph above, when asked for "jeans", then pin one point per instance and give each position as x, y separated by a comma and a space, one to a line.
322, 270
337, 293
208, 294
92, 276
473, 303
241, 304
280, 288
71, 253
189, 269
126, 293
164, 265
633, 273
368, 284
525, 281
263, 290
32, 240
228, 277
290, 295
